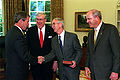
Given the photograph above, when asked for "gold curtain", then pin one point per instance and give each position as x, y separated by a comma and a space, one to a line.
57, 9
10, 8
13, 6
27, 6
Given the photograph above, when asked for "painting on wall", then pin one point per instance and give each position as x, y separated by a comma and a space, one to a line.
81, 22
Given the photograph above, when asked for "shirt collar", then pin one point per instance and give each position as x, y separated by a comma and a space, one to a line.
43, 28
43, 31
99, 26
62, 34
19, 28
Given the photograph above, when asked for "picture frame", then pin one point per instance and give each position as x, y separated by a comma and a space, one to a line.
81, 22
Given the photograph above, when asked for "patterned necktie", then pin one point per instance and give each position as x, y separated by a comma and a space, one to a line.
95, 37
23, 33
41, 38
60, 42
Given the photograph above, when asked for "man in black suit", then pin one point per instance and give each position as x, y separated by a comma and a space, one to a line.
17, 53
103, 50
67, 50
40, 48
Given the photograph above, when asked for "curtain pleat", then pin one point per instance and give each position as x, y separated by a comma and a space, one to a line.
11, 7
27, 6
57, 9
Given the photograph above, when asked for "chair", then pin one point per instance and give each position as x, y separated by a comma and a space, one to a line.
83, 76
82, 61
2, 70
2, 57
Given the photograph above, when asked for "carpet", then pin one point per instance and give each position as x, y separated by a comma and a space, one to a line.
82, 76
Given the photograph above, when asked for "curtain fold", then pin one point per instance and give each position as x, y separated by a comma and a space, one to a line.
27, 2
57, 9
13, 6
10, 8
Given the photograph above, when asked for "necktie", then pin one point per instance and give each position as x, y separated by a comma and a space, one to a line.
95, 36
60, 42
41, 38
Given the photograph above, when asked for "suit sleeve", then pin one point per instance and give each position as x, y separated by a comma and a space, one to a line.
77, 48
22, 50
115, 46
87, 53
51, 55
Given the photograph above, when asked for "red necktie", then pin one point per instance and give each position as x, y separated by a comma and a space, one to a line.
41, 38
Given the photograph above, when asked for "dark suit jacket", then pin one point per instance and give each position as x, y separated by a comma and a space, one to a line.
17, 55
35, 48
103, 57
71, 51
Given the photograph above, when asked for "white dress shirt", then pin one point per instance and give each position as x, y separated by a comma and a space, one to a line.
98, 29
43, 32
62, 37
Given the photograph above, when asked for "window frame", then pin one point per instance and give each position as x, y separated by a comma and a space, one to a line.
39, 11
2, 33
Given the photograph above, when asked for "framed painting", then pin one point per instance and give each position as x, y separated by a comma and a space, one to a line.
81, 22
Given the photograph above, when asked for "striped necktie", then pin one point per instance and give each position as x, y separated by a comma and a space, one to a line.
60, 42
95, 37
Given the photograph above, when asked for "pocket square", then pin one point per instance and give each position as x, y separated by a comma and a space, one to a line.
49, 36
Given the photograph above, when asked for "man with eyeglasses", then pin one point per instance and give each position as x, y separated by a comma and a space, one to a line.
66, 49
39, 41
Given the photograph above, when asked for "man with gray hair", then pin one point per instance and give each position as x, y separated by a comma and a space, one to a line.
67, 50
39, 41
103, 50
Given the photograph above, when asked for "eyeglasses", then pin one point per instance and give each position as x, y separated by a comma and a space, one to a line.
40, 19
54, 24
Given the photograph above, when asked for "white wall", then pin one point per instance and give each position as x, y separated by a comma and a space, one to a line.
107, 8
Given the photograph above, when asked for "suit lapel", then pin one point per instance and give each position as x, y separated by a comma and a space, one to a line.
58, 45
65, 41
92, 37
18, 30
66, 37
100, 35
35, 33
46, 35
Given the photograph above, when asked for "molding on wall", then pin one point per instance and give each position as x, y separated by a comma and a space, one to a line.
118, 3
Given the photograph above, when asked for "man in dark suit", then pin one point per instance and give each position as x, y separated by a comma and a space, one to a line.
67, 50
17, 53
103, 51
38, 48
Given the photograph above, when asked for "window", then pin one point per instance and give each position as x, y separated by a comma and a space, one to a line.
1, 19
39, 6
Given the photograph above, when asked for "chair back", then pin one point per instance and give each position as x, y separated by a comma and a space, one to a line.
2, 68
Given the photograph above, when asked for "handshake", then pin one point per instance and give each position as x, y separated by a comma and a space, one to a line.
40, 59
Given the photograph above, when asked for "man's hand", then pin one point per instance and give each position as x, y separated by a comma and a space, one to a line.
73, 64
40, 59
114, 76
55, 66
87, 72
